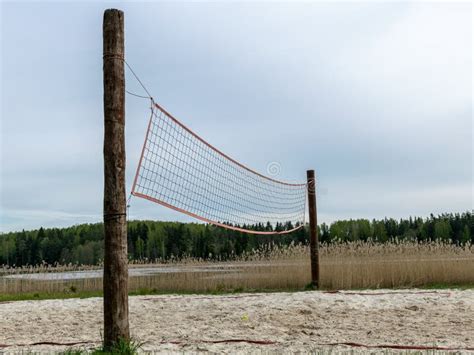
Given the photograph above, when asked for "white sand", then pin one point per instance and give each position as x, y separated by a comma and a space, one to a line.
294, 321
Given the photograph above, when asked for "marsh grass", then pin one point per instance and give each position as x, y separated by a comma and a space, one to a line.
353, 265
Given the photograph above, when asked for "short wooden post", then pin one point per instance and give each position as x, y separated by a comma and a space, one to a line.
313, 229
116, 324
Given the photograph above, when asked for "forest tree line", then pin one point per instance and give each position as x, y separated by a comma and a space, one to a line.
153, 240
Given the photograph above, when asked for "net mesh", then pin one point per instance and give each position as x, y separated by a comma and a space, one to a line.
180, 170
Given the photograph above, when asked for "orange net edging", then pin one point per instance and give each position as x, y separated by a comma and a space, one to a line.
180, 170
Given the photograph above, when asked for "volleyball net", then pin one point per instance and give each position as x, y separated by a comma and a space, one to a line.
180, 170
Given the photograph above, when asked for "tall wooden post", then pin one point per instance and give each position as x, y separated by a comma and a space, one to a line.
313, 229
116, 324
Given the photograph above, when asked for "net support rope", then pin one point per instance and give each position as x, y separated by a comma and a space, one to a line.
180, 170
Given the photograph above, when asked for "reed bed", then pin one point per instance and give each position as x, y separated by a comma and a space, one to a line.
343, 266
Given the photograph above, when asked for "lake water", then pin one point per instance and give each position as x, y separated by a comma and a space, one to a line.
132, 271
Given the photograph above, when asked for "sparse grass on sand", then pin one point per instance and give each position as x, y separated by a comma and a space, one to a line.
144, 292
122, 347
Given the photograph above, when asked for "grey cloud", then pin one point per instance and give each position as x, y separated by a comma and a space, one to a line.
376, 97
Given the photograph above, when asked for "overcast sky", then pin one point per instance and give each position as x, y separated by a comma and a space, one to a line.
377, 98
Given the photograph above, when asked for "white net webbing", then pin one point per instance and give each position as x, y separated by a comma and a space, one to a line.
180, 170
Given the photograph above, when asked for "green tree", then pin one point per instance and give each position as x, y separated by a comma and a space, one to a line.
140, 249
380, 234
466, 235
442, 230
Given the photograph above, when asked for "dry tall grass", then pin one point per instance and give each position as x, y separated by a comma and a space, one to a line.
343, 266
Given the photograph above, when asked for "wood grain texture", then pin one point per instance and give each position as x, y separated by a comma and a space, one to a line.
313, 227
116, 323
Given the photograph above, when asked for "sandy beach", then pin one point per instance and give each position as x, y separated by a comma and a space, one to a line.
263, 322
